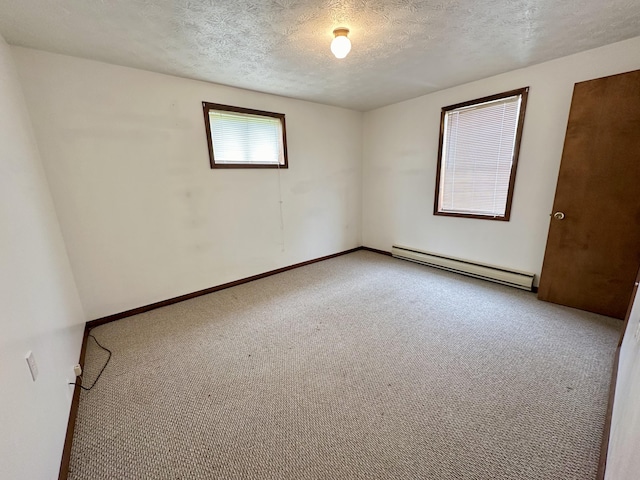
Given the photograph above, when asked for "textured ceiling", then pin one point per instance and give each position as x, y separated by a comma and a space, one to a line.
401, 48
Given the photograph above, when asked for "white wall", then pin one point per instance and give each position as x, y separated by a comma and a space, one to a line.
143, 215
400, 158
41, 310
623, 461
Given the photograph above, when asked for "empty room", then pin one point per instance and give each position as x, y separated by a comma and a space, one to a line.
319, 240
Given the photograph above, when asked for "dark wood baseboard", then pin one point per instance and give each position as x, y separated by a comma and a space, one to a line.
73, 413
182, 298
375, 250
606, 433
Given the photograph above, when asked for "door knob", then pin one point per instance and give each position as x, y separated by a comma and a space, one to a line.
558, 216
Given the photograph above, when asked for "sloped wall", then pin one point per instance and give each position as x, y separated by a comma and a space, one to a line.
41, 310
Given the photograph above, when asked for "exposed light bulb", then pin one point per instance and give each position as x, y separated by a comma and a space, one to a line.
341, 45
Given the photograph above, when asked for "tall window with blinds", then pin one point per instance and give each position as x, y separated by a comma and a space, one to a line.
244, 138
478, 154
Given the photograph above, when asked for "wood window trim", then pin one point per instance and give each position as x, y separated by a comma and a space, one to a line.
207, 106
523, 92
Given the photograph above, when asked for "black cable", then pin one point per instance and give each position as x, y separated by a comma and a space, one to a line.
104, 366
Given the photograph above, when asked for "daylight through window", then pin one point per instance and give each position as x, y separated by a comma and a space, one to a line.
479, 143
244, 138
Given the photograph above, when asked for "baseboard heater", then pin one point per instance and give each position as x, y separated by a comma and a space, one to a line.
513, 278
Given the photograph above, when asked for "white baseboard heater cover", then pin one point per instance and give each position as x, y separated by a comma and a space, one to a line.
513, 278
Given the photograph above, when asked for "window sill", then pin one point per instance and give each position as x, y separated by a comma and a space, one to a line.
472, 215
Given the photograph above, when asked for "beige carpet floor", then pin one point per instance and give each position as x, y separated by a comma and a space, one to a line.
358, 367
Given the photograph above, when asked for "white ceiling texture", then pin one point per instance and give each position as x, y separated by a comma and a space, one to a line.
401, 48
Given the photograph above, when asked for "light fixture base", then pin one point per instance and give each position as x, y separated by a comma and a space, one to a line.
341, 45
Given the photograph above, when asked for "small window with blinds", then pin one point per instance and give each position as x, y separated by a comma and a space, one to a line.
478, 153
245, 138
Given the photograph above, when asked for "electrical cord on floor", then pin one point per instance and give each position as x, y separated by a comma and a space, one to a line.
103, 367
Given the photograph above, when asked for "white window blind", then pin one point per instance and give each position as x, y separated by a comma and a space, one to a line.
242, 138
477, 155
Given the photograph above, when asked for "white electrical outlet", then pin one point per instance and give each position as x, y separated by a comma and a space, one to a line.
33, 367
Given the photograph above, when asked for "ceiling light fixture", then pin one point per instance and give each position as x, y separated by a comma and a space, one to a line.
341, 45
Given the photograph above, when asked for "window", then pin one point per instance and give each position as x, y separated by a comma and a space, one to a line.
244, 138
477, 157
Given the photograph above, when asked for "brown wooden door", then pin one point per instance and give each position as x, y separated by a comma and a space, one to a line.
593, 253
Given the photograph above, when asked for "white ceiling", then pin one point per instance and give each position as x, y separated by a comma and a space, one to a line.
401, 48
